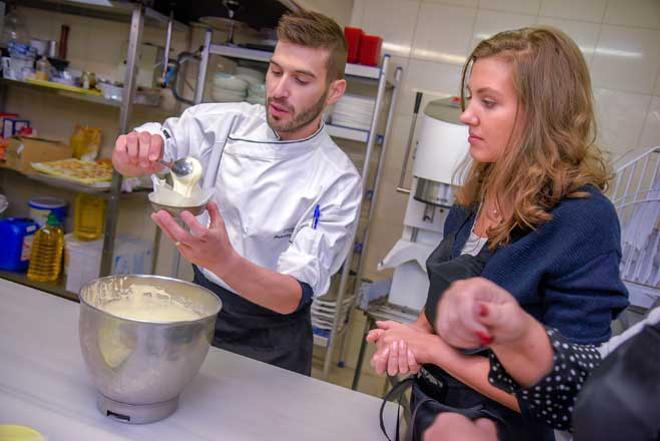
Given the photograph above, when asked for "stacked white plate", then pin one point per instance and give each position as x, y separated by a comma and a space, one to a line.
354, 111
252, 76
256, 94
228, 88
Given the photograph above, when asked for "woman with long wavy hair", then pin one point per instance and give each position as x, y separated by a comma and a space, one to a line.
530, 216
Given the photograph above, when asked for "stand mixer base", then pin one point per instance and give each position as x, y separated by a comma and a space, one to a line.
136, 413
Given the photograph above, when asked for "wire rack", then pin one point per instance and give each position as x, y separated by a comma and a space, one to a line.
636, 197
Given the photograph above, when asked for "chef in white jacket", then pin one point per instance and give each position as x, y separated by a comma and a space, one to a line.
286, 198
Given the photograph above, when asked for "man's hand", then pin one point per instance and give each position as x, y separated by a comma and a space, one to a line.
206, 247
137, 154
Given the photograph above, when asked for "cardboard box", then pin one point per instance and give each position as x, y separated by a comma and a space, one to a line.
21, 152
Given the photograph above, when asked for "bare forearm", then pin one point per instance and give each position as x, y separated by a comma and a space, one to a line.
470, 370
529, 358
272, 290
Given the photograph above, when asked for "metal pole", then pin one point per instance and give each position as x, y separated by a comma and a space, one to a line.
406, 156
168, 45
363, 347
203, 65
130, 79
198, 98
382, 82
374, 197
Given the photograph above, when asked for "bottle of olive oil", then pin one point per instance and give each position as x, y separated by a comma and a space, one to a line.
89, 216
47, 249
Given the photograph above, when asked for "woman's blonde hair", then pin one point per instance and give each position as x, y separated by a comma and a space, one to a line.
555, 154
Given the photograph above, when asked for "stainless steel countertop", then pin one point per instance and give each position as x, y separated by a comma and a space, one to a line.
44, 385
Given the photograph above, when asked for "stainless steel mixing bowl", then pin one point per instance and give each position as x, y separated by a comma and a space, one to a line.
141, 367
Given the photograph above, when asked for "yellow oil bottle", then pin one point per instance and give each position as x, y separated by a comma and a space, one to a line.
47, 249
89, 216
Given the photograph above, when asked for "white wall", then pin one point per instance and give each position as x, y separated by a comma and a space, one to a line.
430, 39
340, 10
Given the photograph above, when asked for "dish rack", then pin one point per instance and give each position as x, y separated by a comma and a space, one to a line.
636, 197
324, 309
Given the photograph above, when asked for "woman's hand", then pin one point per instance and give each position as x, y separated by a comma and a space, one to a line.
400, 348
477, 312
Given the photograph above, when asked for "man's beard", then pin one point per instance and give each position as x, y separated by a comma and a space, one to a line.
299, 120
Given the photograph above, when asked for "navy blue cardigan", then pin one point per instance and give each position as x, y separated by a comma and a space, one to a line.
565, 273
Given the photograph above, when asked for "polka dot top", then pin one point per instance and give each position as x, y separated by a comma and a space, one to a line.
551, 400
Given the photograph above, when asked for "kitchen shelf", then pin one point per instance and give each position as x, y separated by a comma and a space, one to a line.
350, 133
72, 186
354, 70
56, 288
94, 99
334, 130
112, 10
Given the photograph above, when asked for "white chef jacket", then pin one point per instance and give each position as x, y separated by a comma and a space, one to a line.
267, 189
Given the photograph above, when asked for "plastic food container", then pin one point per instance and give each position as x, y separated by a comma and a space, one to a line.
370, 49
41, 207
110, 91
353, 36
16, 235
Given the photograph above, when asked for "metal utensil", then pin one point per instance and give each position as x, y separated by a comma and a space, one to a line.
180, 167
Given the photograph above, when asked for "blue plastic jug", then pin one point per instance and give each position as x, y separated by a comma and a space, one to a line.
16, 235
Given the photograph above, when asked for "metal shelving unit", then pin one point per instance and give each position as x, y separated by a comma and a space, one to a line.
137, 14
324, 310
93, 99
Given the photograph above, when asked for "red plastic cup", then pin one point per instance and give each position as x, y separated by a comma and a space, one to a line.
353, 36
370, 49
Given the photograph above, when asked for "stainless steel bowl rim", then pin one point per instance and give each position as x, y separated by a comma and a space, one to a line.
148, 276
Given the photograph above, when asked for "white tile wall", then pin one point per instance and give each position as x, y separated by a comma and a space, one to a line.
643, 13
467, 3
583, 33
442, 33
522, 6
393, 20
428, 77
586, 10
490, 23
358, 13
627, 59
651, 133
620, 40
616, 110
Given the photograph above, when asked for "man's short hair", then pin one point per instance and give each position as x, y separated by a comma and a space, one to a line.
315, 30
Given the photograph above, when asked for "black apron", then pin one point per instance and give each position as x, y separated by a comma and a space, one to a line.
435, 391
245, 328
